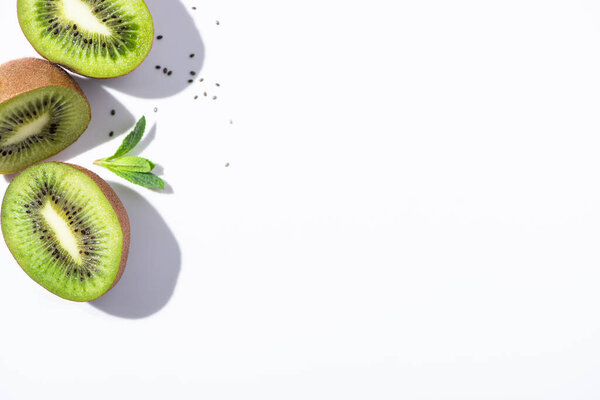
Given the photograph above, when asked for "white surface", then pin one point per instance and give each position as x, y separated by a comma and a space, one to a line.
411, 211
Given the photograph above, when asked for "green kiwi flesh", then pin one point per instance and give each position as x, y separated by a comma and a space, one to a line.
42, 111
67, 229
95, 38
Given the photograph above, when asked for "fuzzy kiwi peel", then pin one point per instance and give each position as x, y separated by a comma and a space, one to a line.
94, 38
67, 229
42, 111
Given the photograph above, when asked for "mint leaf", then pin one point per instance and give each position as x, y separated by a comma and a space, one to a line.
129, 164
134, 169
131, 140
145, 179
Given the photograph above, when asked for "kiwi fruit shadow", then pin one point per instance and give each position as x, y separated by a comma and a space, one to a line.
180, 39
154, 262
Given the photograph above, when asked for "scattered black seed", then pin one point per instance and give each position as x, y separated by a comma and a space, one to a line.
155, 109
218, 23
218, 84
205, 94
192, 73
157, 67
75, 26
169, 73
190, 81
201, 79
214, 97
111, 134
195, 97
164, 70
227, 165
193, 8
159, 37
112, 112
192, 55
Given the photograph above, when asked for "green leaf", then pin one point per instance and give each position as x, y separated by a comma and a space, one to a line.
131, 140
145, 179
128, 164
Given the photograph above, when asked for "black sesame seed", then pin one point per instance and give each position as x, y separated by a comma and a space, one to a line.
159, 37
157, 67
111, 133
169, 73
192, 55
112, 112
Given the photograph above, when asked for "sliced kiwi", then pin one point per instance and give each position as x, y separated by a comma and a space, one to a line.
95, 38
67, 229
42, 111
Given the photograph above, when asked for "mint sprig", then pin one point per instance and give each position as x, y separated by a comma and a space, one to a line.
134, 169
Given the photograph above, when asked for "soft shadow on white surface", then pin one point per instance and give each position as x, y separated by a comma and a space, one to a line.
181, 38
153, 266
103, 122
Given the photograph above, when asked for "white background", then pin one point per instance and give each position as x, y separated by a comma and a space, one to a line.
411, 210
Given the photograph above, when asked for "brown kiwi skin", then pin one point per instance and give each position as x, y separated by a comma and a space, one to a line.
121, 214
27, 74
87, 76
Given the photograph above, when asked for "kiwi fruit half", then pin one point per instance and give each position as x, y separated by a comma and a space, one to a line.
67, 229
42, 111
95, 38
